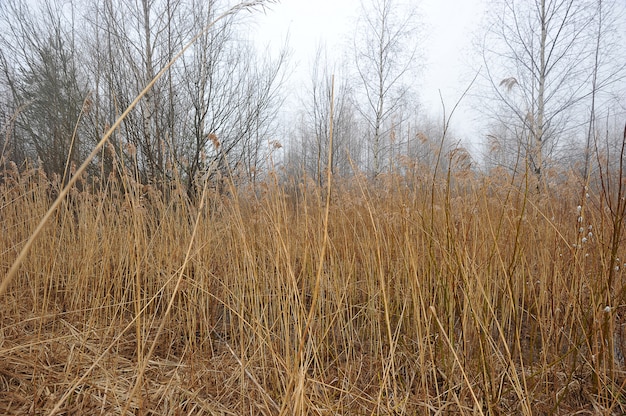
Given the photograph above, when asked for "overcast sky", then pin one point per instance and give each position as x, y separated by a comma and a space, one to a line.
448, 27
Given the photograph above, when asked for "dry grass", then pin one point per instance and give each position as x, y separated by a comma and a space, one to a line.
463, 298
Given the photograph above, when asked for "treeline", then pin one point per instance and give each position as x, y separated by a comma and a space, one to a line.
69, 69
550, 85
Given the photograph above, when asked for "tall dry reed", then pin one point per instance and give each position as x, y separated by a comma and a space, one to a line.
476, 295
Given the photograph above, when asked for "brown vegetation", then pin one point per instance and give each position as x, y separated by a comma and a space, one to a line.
473, 295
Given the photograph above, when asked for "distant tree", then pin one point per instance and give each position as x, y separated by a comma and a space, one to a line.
503, 146
38, 65
11, 149
385, 53
609, 69
538, 58
424, 142
213, 109
212, 112
314, 128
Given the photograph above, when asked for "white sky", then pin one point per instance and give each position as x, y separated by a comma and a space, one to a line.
448, 28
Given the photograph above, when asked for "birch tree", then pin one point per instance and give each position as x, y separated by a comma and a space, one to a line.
385, 53
538, 60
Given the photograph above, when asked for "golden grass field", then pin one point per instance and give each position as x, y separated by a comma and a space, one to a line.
414, 295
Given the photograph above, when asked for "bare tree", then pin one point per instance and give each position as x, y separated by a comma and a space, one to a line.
233, 95
314, 127
131, 42
214, 107
608, 68
539, 62
38, 66
385, 54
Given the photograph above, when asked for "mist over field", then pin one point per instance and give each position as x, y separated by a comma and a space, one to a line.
195, 223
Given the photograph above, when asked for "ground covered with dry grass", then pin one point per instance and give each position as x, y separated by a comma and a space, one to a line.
464, 294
